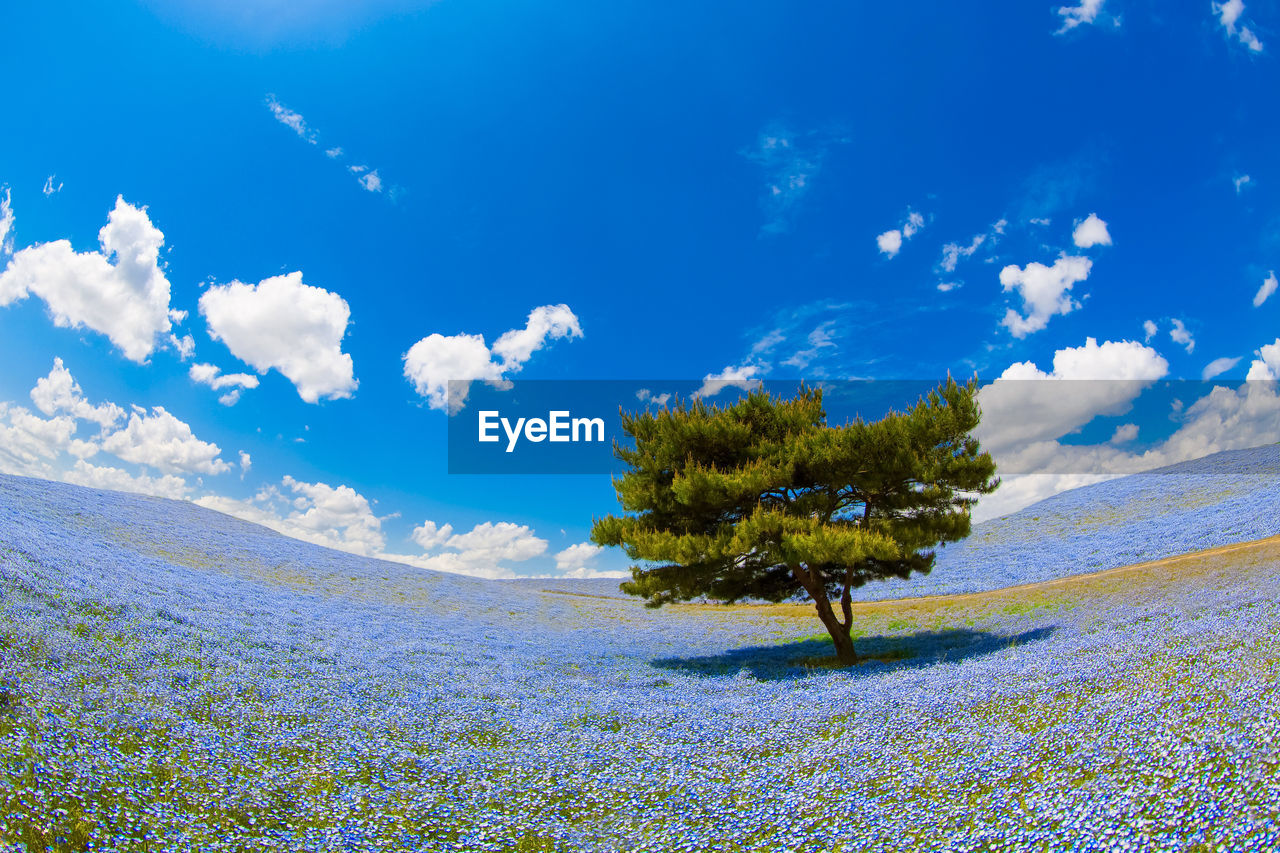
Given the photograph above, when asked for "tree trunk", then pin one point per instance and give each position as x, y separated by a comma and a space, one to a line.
839, 631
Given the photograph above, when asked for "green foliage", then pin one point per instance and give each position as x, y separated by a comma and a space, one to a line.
762, 499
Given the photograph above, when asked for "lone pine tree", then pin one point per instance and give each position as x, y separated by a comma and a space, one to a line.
762, 499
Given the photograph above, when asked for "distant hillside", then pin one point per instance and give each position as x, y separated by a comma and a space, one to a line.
1228, 497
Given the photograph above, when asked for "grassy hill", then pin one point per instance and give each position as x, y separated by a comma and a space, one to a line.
175, 679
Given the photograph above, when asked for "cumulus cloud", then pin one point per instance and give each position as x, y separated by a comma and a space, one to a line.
1267, 365
59, 393
1091, 232
120, 480
1264, 292
1150, 328
428, 535
433, 361
164, 442
479, 552
1124, 434
48, 447
1074, 16
1229, 15
1222, 419
287, 325
1240, 182
1045, 291
1026, 405
572, 562
744, 377
890, 242
336, 517
1182, 335
127, 300
29, 444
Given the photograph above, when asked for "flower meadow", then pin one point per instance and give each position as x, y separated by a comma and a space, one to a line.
176, 679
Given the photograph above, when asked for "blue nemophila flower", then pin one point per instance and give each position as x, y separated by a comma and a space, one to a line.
185, 681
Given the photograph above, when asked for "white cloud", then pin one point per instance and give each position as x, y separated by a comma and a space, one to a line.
1218, 366
1264, 292
436, 359
128, 300
1267, 365
49, 188
479, 552
545, 323
333, 153
745, 377
6, 224
1229, 14
495, 542
1024, 406
60, 393
371, 182
572, 562
819, 339
1091, 232
791, 161
165, 443
117, 479
246, 462
285, 324
1074, 16
336, 517
1150, 328
1044, 291
890, 242
947, 286
1241, 182
290, 119
1182, 335
29, 444
644, 395
1124, 434
211, 375
953, 252
185, 346
428, 536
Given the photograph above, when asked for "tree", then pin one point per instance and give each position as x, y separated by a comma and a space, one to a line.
762, 499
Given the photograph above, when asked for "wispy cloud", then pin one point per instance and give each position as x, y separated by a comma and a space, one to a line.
290, 119
791, 161
1074, 16
49, 187
368, 178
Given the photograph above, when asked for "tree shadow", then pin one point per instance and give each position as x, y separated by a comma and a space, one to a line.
804, 658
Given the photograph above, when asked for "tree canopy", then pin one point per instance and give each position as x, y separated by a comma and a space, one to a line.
761, 499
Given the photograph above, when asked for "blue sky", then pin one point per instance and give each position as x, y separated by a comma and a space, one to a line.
631, 191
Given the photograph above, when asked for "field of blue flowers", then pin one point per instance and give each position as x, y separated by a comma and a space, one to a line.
175, 679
